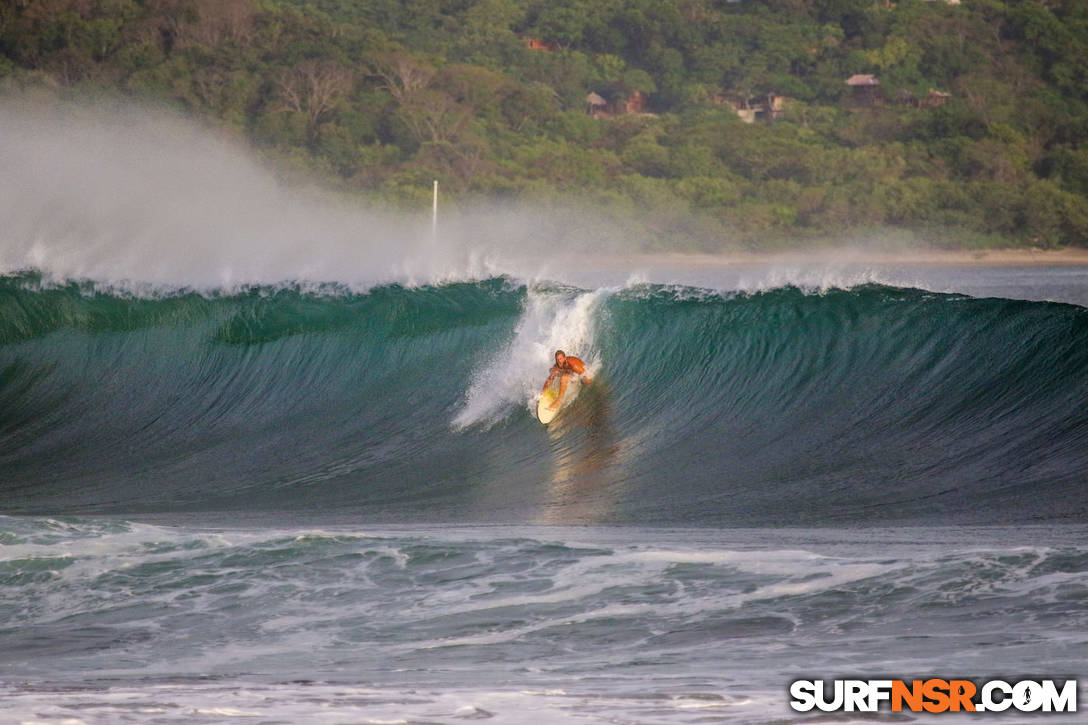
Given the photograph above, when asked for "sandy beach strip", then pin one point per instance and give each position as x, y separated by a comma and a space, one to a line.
1013, 257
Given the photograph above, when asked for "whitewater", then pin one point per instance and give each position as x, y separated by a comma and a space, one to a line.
266, 455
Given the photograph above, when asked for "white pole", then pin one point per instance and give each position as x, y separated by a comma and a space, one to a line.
434, 213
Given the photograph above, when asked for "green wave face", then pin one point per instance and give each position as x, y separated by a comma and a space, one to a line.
873, 404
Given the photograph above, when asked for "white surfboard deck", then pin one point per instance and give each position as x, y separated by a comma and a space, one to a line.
546, 414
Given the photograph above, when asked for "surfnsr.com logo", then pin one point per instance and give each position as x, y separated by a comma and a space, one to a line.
933, 695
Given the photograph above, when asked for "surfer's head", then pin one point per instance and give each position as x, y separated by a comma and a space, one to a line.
560, 357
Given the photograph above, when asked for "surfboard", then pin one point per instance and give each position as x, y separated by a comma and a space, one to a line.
546, 414
543, 413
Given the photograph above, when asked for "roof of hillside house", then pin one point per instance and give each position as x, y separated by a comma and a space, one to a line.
862, 79
594, 100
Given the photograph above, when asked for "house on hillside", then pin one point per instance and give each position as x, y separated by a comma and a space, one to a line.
865, 88
598, 107
538, 44
935, 99
759, 108
634, 103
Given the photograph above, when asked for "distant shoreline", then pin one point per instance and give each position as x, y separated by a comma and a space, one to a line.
850, 256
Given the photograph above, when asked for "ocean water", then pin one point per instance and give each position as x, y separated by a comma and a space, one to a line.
267, 458
280, 503
111, 620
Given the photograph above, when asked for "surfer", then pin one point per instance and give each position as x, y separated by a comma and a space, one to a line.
565, 366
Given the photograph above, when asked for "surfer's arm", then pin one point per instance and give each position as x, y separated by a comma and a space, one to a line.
580, 368
551, 377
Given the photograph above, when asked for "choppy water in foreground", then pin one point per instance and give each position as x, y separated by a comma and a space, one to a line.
115, 621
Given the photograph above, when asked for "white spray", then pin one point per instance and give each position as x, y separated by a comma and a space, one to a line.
131, 195
552, 320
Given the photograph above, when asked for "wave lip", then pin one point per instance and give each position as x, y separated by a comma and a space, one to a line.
784, 406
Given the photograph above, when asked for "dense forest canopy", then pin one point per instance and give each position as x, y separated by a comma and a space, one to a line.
751, 121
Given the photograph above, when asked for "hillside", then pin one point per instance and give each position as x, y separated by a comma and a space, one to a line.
757, 123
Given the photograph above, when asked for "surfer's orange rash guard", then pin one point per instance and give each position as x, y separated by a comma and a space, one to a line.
572, 365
